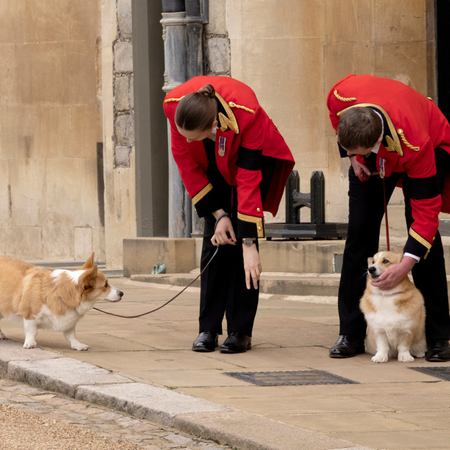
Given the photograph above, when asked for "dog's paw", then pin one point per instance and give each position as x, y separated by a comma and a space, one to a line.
2, 336
30, 344
80, 347
405, 357
380, 358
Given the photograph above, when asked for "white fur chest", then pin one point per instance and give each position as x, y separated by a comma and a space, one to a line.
388, 316
49, 321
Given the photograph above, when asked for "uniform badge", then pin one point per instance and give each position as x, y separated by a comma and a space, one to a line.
222, 142
382, 167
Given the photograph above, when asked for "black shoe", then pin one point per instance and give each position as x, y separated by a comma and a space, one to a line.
347, 346
236, 343
206, 342
438, 351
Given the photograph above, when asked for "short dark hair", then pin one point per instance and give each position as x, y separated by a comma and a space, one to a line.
197, 110
359, 127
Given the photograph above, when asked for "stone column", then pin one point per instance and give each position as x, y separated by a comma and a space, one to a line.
175, 56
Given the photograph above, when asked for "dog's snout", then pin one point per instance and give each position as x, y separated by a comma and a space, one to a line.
120, 293
372, 269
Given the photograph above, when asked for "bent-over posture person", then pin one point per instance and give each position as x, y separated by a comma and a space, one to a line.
234, 164
389, 130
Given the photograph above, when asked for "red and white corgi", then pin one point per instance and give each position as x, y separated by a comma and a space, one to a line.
40, 298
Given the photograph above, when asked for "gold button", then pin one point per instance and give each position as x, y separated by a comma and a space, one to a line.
258, 209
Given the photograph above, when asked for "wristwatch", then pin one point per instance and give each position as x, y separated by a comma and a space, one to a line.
248, 242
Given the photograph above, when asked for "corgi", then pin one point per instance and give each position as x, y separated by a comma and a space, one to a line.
395, 318
40, 298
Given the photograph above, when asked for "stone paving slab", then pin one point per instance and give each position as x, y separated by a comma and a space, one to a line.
61, 374
250, 432
146, 401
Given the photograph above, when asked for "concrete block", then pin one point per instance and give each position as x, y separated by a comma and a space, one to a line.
218, 54
61, 375
250, 432
141, 254
124, 129
123, 57
122, 93
146, 402
124, 18
122, 156
299, 256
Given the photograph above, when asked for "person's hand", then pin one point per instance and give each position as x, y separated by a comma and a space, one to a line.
357, 167
252, 265
223, 227
394, 275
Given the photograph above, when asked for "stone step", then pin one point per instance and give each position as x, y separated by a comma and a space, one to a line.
320, 285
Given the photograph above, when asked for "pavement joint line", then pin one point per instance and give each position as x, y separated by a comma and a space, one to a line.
198, 417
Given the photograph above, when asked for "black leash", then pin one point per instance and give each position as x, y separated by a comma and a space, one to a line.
171, 300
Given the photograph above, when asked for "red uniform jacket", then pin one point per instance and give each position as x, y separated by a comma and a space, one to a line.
244, 127
414, 127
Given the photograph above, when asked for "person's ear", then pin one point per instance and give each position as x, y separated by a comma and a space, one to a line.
215, 123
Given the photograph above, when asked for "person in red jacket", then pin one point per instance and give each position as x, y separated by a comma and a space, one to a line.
234, 164
390, 131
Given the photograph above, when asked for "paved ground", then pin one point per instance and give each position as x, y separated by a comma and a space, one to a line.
388, 406
34, 419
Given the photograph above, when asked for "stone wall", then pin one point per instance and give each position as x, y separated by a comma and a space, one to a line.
118, 128
51, 174
216, 41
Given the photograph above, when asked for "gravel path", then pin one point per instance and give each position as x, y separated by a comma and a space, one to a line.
34, 419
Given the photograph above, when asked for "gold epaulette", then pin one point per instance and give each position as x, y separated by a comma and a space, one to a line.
402, 137
173, 99
343, 99
233, 105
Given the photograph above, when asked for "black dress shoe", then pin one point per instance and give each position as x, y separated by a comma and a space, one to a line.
206, 342
236, 343
347, 346
438, 351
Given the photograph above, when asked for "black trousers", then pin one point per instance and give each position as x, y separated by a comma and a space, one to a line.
366, 210
223, 290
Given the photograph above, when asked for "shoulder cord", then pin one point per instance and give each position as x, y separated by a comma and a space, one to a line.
179, 293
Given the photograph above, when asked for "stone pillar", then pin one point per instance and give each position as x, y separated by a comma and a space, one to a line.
194, 33
175, 56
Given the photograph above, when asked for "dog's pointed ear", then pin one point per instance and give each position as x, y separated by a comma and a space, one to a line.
89, 263
68, 292
88, 278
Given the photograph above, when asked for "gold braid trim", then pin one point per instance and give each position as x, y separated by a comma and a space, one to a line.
402, 137
233, 105
420, 239
208, 188
173, 99
258, 221
343, 99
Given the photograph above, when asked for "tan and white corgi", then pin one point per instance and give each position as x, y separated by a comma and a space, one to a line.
40, 298
395, 317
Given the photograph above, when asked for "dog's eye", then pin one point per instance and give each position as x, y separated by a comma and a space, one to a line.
385, 261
